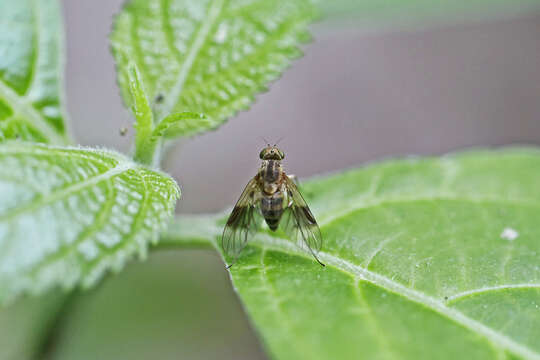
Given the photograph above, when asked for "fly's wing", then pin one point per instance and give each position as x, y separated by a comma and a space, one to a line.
299, 223
243, 222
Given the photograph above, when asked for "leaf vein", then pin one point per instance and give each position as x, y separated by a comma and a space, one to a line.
198, 43
459, 296
167, 29
67, 191
103, 216
378, 333
22, 107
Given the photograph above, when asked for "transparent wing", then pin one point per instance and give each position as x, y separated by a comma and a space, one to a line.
243, 222
299, 223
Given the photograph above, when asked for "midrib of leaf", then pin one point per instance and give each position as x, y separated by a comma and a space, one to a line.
168, 29
244, 63
22, 107
487, 289
361, 273
202, 34
67, 191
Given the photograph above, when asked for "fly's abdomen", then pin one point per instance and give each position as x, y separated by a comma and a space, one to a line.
272, 209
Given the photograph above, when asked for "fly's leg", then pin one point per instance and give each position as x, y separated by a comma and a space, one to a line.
231, 264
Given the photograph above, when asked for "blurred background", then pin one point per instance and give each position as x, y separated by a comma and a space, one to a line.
364, 91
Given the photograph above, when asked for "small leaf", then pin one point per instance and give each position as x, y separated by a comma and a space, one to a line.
180, 124
67, 215
147, 137
208, 56
31, 64
144, 119
426, 259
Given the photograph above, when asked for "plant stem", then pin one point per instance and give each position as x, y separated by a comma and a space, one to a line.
192, 231
145, 150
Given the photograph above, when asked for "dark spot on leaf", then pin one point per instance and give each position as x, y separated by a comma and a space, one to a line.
159, 98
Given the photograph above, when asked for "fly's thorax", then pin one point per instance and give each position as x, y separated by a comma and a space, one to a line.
270, 175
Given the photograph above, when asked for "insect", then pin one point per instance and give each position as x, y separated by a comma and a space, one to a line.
274, 196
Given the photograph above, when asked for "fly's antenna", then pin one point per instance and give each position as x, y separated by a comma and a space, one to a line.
277, 142
265, 141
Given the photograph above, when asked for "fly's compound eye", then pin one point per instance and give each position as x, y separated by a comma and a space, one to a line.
281, 154
261, 155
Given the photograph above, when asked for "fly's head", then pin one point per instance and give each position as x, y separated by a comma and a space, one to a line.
271, 153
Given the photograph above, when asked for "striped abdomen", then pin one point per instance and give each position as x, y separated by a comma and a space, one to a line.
272, 209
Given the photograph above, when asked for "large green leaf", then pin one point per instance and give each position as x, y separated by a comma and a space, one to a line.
426, 259
207, 56
69, 214
31, 65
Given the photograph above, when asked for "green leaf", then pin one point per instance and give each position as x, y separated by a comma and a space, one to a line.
68, 215
434, 258
31, 64
180, 124
147, 136
416, 12
208, 56
144, 125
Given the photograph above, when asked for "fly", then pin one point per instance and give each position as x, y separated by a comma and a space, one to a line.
273, 196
